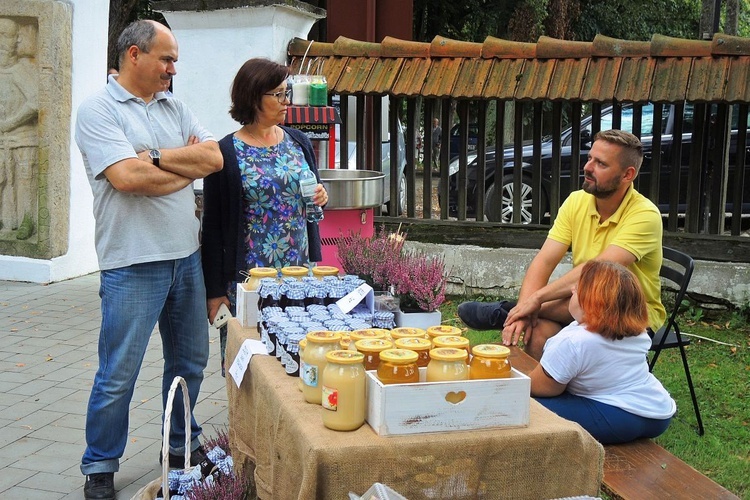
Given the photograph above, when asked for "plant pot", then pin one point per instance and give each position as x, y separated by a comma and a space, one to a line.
421, 319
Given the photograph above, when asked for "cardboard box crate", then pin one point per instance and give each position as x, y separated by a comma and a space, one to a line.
447, 406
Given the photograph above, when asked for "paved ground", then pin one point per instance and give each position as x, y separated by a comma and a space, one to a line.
48, 339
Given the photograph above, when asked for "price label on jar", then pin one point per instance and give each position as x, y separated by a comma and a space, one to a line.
349, 301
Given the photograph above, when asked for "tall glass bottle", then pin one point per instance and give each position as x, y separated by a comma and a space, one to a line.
307, 184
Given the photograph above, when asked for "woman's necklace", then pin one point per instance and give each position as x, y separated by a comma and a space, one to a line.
275, 136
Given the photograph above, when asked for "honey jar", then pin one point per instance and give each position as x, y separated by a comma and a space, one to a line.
447, 364
311, 367
441, 330
256, 274
403, 332
398, 366
489, 361
453, 341
345, 340
294, 272
368, 333
371, 349
421, 346
343, 391
320, 271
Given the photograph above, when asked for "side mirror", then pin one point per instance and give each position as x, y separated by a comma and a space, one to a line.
585, 139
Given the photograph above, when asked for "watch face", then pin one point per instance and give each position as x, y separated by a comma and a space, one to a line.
155, 155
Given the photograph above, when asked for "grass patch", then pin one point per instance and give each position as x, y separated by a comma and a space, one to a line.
721, 375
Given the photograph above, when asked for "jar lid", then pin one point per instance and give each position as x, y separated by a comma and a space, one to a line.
491, 351
323, 337
294, 271
413, 343
345, 357
325, 271
303, 343
439, 330
399, 356
264, 272
448, 354
406, 331
368, 333
373, 345
450, 341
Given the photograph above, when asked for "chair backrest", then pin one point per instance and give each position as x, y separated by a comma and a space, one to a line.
679, 277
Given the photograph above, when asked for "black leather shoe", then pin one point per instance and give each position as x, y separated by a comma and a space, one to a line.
100, 486
484, 315
178, 461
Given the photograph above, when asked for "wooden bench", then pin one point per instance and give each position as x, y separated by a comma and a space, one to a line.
643, 469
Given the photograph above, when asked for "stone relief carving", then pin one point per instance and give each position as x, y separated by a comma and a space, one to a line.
19, 109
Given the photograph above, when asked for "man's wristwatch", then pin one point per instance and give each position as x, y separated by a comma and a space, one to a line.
155, 156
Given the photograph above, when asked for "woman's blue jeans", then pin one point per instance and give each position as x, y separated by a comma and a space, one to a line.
134, 298
608, 424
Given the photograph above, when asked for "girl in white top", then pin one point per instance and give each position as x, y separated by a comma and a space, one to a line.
594, 371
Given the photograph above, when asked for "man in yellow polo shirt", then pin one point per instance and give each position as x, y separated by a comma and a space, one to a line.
606, 220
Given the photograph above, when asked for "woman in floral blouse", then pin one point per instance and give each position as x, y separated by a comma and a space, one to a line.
253, 212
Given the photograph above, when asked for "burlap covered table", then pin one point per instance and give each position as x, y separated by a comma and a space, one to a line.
273, 430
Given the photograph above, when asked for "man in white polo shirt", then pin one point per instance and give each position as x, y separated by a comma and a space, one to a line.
142, 152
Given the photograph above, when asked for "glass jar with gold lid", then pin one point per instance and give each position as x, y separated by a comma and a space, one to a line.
252, 282
320, 271
398, 366
489, 361
366, 333
421, 346
311, 367
343, 391
294, 271
453, 341
447, 364
345, 339
371, 349
442, 330
403, 332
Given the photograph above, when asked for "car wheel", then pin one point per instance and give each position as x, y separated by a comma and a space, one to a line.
499, 205
400, 207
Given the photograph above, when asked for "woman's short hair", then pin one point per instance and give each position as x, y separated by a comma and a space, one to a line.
612, 300
255, 78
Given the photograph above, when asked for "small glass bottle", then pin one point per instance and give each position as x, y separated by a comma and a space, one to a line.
371, 349
419, 345
307, 184
343, 391
490, 361
318, 345
453, 341
398, 366
447, 364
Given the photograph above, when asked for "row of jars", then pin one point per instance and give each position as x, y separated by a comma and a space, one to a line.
335, 378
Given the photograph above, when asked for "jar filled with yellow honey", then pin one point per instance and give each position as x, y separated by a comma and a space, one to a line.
343, 391
453, 341
421, 346
371, 349
489, 361
368, 333
294, 271
320, 271
403, 332
398, 366
447, 364
256, 274
442, 330
302, 345
311, 367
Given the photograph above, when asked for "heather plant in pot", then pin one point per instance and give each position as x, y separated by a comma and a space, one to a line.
418, 280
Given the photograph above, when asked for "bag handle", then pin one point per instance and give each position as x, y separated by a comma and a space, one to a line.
302, 63
178, 381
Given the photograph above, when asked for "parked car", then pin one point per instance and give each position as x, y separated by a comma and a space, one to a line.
498, 201
400, 206
455, 136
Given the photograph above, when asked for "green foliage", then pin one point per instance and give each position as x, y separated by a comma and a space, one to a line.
638, 19
720, 374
